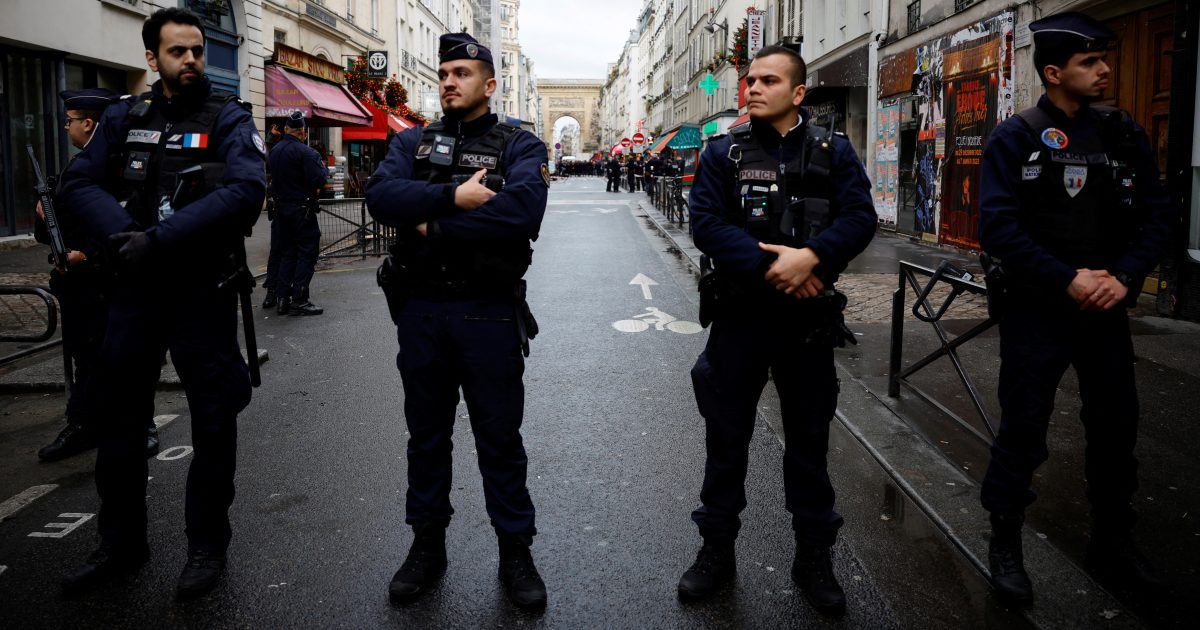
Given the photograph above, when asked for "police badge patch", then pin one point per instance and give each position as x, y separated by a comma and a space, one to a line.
1055, 138
1074, 177
258, 142
545, 174
472, 50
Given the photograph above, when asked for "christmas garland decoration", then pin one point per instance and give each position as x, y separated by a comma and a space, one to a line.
391, 96
739, 57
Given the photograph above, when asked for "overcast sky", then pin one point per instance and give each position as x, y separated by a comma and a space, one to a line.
575, 40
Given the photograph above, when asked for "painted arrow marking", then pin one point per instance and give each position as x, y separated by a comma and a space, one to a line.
645, 283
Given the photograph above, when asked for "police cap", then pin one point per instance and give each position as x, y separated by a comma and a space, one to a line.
452, 46
1072, 32
295, 120
90, 99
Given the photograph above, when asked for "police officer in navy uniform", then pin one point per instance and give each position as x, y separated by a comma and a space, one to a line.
80, 293
780, 206
654, 170
467, 195
172, 179
1072, 210
613, 168
297, 176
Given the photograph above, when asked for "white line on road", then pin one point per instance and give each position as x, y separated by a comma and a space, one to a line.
646, 282
64, 528
18, 502
164, 420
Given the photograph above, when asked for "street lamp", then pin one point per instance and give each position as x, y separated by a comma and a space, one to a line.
712, 26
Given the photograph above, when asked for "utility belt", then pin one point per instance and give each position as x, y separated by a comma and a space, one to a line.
725, 296
400, 284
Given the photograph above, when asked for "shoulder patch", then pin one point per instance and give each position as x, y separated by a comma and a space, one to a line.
258, 142
546, 174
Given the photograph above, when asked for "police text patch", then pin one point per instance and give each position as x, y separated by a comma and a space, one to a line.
760, 174
143, 135
1031, 171
476, 160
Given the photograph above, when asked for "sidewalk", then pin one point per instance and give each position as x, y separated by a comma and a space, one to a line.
940, 465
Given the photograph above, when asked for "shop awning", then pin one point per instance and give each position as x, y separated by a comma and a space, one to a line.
617, 149
688, 137
661, 143
324, 104
381, 121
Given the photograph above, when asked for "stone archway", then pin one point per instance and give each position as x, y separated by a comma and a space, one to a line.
576, 98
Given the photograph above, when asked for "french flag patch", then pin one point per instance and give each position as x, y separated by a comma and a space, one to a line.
195, 141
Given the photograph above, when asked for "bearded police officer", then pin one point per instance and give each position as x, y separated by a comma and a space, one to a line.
297, 176
81, 296
1072, 209
467, 194
780, 206
173, 179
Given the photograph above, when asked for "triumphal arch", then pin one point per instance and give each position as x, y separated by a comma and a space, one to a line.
577, 98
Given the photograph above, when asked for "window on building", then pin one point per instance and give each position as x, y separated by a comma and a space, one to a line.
914, 17
221, 62
280, 36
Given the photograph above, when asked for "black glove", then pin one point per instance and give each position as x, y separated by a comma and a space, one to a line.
134, 246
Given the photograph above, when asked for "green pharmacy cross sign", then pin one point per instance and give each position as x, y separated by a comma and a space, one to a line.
709, 84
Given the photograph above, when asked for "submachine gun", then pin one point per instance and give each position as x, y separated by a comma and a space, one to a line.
58, 247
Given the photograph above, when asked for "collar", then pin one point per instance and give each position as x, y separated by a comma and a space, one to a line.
767, 134
185, 100
470, 128
1060, 117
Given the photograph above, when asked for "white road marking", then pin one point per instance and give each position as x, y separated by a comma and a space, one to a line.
660, 321
645, 282
67, 528
173, 453
164, 420
24, 498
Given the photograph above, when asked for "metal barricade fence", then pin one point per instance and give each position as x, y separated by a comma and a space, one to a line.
347, 230
27, 315
960, 282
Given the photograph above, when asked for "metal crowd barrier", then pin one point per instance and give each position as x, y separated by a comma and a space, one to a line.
348, 231
960, 282
47, 324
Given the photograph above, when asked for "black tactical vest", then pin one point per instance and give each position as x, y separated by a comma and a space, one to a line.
456, 270
1077, 201
157, 151
782, 203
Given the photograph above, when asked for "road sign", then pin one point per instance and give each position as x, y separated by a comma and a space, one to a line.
626, 142
557, 145
377, 63
639, 138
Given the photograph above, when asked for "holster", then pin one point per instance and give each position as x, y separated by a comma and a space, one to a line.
999, 288
527, 326
830, 325
394, 278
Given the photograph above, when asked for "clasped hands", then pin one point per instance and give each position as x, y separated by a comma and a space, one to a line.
792, 271
469, 195
1096, 290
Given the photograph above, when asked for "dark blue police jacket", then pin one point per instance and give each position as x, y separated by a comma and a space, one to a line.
395, 199
1001, 235
714, 195
297, 171
87, 183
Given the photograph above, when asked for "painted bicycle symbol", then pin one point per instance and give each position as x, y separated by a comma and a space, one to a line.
660, 321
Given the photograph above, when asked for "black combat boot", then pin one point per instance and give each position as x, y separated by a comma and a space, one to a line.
1007, 560
284, 304
304, 307
812, 571
426, 562
271, 301
105, 564
714, 567
72, 440
518, 574
1115, 560
200, 574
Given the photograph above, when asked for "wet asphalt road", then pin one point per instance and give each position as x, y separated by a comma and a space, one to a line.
616, 455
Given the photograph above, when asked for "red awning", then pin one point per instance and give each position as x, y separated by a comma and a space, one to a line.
381, 121
741, 120
661, 143
324, 104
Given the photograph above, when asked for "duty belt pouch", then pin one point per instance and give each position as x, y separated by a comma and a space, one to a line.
830, 328
816, 216
708, 291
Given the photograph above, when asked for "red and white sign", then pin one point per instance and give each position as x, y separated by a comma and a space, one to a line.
639, 138
626, 142
756, 26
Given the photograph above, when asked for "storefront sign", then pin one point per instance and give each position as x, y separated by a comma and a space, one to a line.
756, 26
377, 63
308, 64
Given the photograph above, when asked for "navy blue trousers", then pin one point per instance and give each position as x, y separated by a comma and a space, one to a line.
275, 255
728, 379
197, 323
300, 243
445, 345
1037, 344
84, 314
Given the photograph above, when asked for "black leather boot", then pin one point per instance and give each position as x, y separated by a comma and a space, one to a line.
518, 574
426, 562
812, 571
72, 440
200, 574
271, 301
284, 304
104, 565
1115, 560
1006, 559
304, 307
715, 566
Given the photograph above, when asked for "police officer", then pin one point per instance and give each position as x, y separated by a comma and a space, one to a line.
467, 195
80, 293
654, 170
781, 207
1072, 209
634, 173
297, 176
614, 175
172, 179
